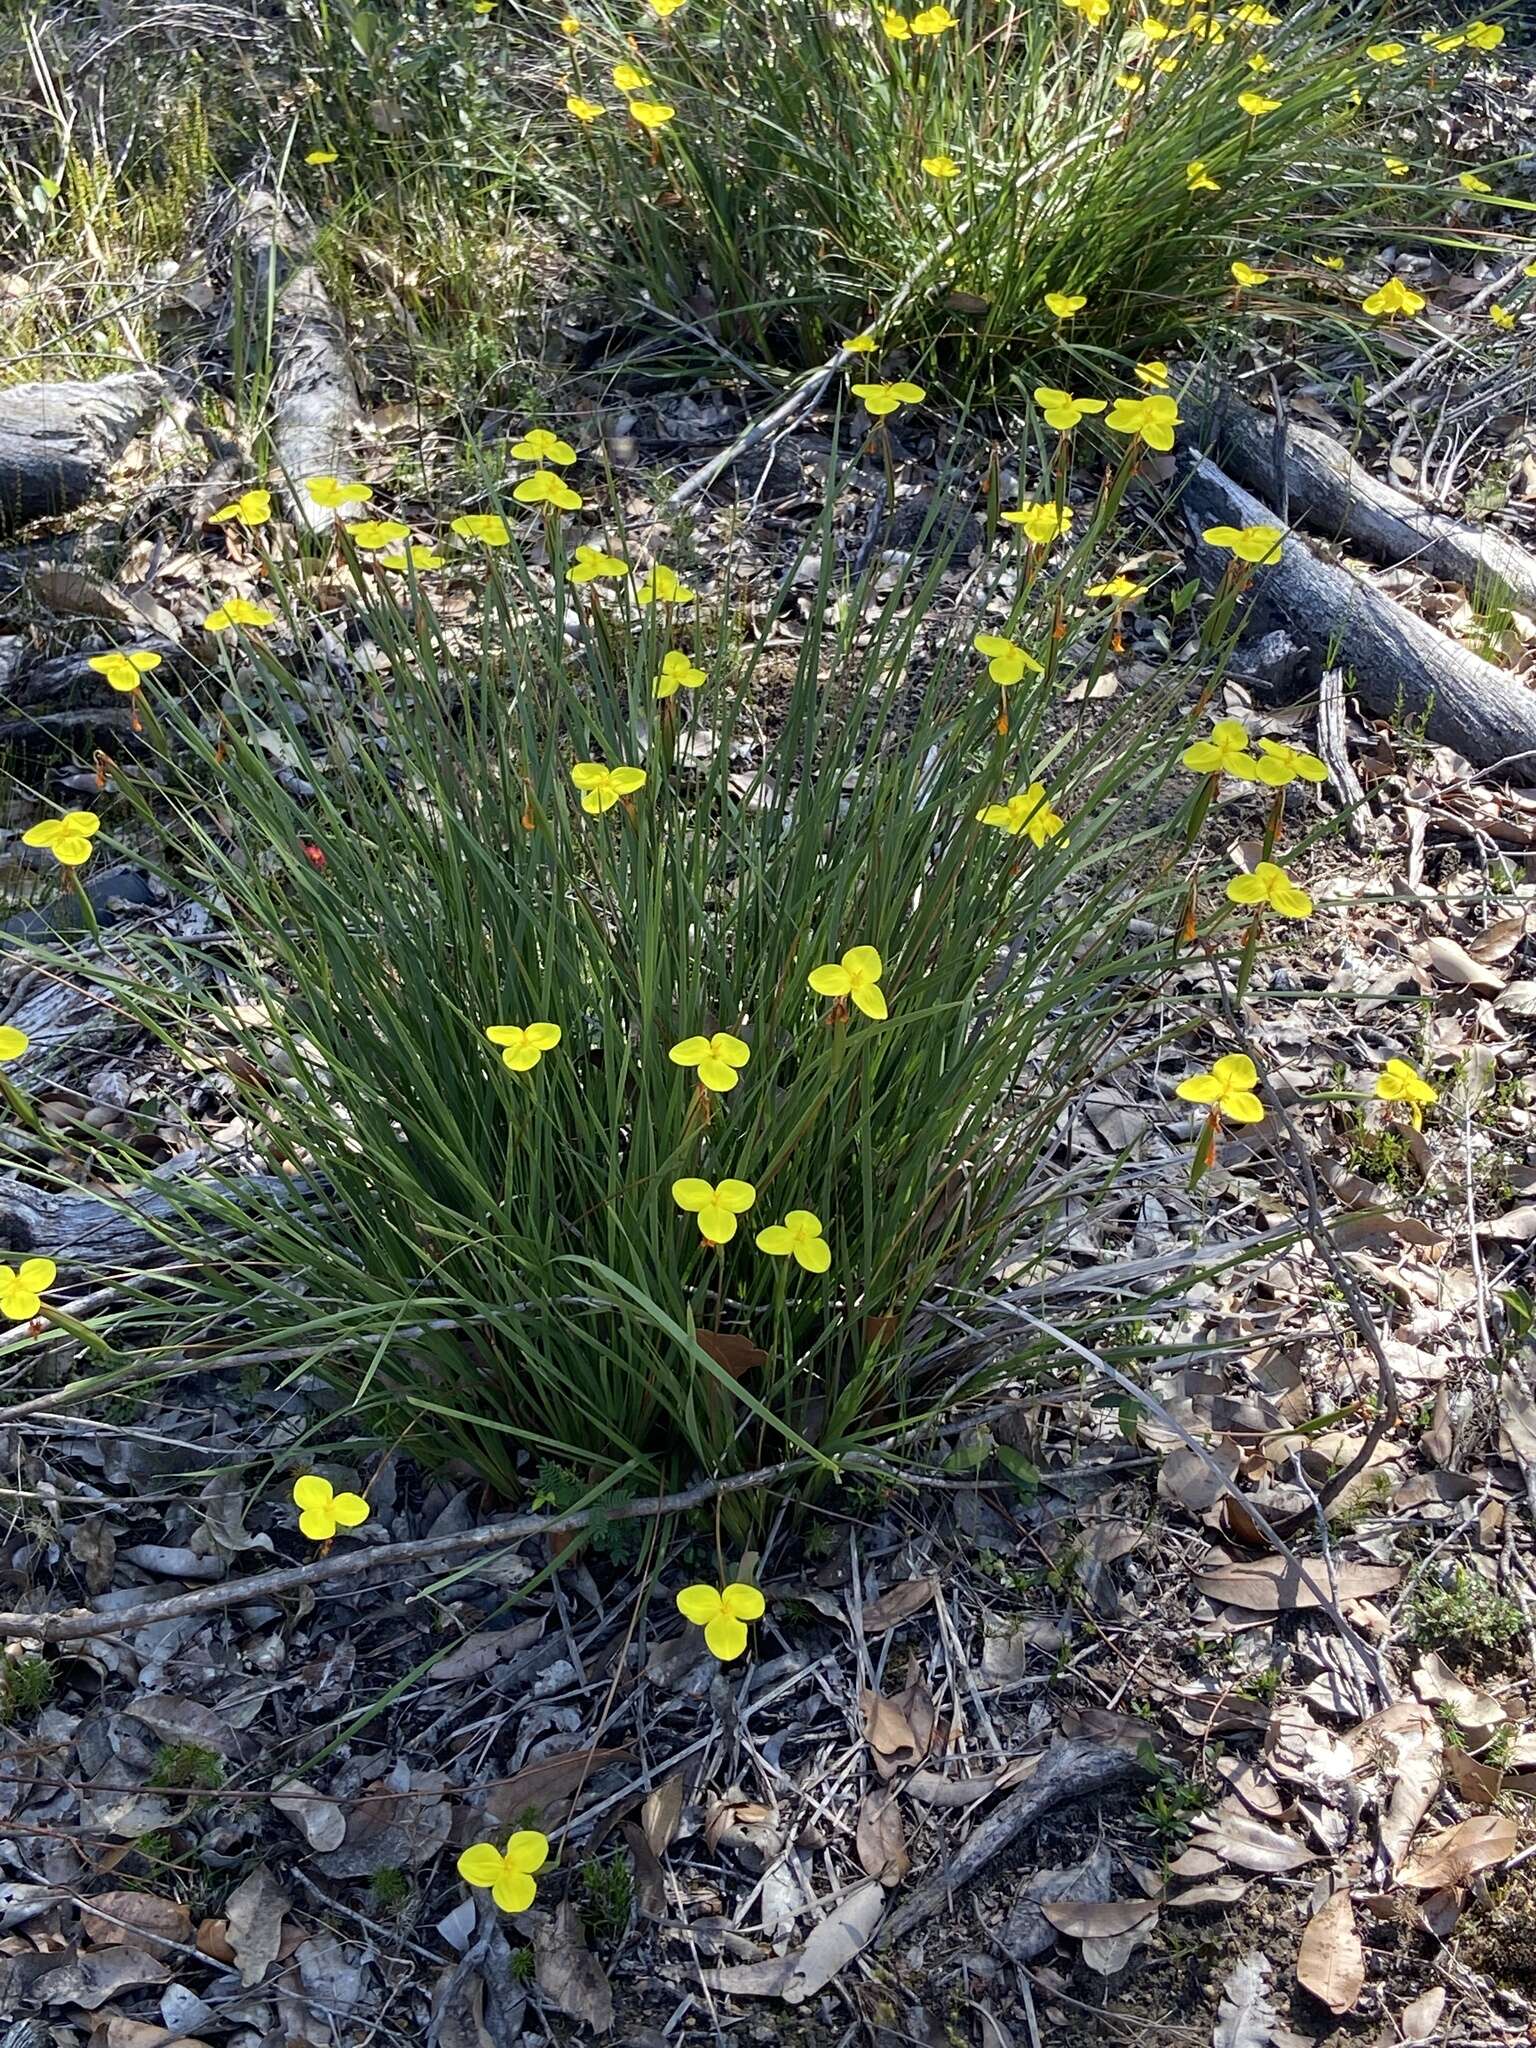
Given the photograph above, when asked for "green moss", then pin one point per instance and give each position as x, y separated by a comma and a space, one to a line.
1465, 1620
186, 1767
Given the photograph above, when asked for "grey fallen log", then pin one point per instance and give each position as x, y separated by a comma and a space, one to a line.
315, 408
1332, 493
89, 1230
1397, 664
58, 441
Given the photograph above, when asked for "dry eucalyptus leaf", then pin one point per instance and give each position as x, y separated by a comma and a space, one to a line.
1421, 2016
93, 1976
1273, 1585
834, 1942
567, 1972
1331, 1960
1097, 1919
660, 1814
1451, 963
253, 1916
888, 1731
139, 1919
321, 1821
1250, 1845
1449, 1859
1406, 1741
1247, 2017
896, 1605
880, 1839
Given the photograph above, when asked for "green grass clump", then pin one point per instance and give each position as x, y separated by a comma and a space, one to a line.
26, 1687
186, 1767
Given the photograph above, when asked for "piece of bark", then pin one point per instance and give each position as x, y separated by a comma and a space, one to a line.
1399, 666
65, 681
57, 441
314, 400
1069, 1770
79, 1229
1327, 489
110, 893
1333, 749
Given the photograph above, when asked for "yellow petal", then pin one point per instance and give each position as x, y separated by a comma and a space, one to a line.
814, 1253
514, 1891
871, 1001
37, 1274
775, 1241
481, 1864
312, 1491
863, 961
1199, 1088
691, 1194
350, 1510
527, 1851
726, 1638
742, 1602
699, 1604
830, 980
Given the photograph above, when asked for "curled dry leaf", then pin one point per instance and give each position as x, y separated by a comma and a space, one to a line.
253, 1916
1331, 1960
880, 1839
1448, 1859
897, 1604
1453, 964
660, 1814
1421, 2016
1407, 1743
1249, 1844
321, 1821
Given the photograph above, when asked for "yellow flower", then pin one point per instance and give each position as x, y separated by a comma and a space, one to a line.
1484, 35
1255, 16
1258, 62
856, 979
523, 1045
798, 1237
652, 114
716, 1057
1248, 543
1397, 1082
321, 156
722, 1616
1443, 39
1254, 104
251, 508
545, 488
1227, 1086
1153, 373
941, 166
507, 1874
1469, 181
1272, 888
1007, 662
1197, 178
1120, 587
1395, 166
238, 611
590, 563
1130, 81
1224, 753
582, 109
896, 26
1279, 765
662, 585
410, 557
68, 838
678, 673
716, 1206
13, 1043
1029, 812
322, 1510
880, 399
1041, 523
127, 671
1393, 297
570, 26
601, 787
1154, 30
629, 79
1205, 30
861, 345
22, 1289
1153, 419
1501, 316
1090, 10
332, 493
540, 445
666, 7
1331, 262
1165, 63
1246, 276
1064, 304
933, 21
1386, 53
1061, 410
489, 528
372, 534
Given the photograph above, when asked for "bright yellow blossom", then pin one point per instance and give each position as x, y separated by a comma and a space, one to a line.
664, 8
601, 787
1501, 316
1061, 410
855, 979
582, 109
590, 563
941, 166
321, 156
722, 1615
1153, 373
629, 78
1246, 277
652, 114
570, 25
1130, 81
896, 26
1386, 53
410, 557
1395, 166
372, 534
798, 1237
13, 1043
125, 671
540, 445
523, 1045
545, 488
1249, 543
332, 493
1277, 765
1197, 178
1093, 11
238, 611
1041, 523
1258, 63
1393, 297
1254, 104
860, 345
717, 1205
1064, 304
507, 1874
1483, 35
1227, 1087
1224, 753
933, 21
489, 528
1400, 1082
881, 399
322, 1510
678, 673
1252, 15
1028, 811
1007, 662
251, 508
1331, 262
1119, 586
662, 585
1469, 181
22, 1288
716, 1057
1270, 888
1153, 419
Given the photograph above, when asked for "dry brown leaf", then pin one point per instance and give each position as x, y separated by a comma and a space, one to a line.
896, 1605
546, 1787
141, 1919
1272, 1585
1449, 1859
1515, 1226
1406, 1740
1092, 1919
93, 1976
1249, 1844
1453, 964
880, 1839
1421, 2017
737, 1354
126, 2033
660, 1814
834, 1942
321, 1821
567, 1972
212, 1940
1331, 1960
253, 1915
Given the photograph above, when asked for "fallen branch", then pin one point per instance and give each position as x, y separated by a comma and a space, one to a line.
1399, 666
57, 441
1067, 1771
1323, 485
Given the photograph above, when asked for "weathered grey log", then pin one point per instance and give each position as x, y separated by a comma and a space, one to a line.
314, 389
110, 892
89, 1230
1398, 665
57, 441
1327, 489
64, 681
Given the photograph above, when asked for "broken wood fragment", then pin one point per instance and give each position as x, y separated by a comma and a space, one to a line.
58, 440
